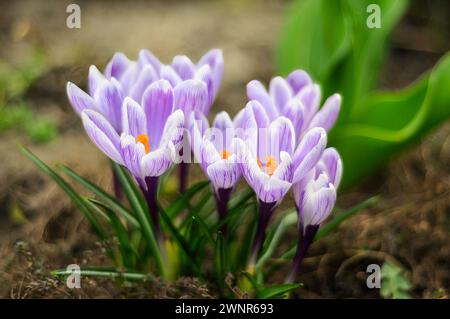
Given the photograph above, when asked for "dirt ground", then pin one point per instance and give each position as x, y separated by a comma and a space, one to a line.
40, 231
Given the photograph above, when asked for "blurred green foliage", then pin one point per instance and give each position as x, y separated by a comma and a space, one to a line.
394, 284
15, 112
331, 40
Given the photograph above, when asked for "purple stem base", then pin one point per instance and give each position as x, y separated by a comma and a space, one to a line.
265, 213
150, 190
304, 241
222, 196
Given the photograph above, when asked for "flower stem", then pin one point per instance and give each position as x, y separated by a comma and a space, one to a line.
265, 213
184, 169
305, 239
222, 196
150, 192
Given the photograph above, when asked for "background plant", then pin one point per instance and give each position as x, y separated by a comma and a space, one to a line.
15, 112
331, 41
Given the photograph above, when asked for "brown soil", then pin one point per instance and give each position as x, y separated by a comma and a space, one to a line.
409, 225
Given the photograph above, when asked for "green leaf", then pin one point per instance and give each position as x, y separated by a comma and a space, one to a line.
131, 276
272, 242
394, 284
128, 254
105, 197
220, 258
73, 195
142, 215
393, 121
180, 241
276, 291
311, 43
183, 201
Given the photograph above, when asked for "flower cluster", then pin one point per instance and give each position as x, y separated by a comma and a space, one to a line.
143, 114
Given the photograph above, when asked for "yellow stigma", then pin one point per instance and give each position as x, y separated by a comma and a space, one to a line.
143, 138
225, 154
269, 166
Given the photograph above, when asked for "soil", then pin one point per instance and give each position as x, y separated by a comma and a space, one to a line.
40, 230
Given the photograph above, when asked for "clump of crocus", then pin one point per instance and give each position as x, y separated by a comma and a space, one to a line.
315, 196
270, 160
194, 85
150, 139
214, 150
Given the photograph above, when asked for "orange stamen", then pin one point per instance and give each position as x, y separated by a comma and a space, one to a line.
270, 165
143, 138
225, 154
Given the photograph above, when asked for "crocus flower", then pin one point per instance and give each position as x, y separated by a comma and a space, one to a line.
270, 160
315, 196
297, 98
194, 85
124, 77
213, 149
151, 137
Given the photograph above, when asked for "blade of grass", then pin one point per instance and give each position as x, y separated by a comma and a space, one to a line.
73, 195
106, 273
143, 217
127, 253
182, 202
108, 199
181, 241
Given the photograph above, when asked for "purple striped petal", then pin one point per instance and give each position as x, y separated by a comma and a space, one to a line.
214, 59
158, 162
204, 74
79, 99
167, 73
132, 153
133, 118
102, 134
317, 203
224, 173
117, 66
280, 92
268, 189
294, 111
282, 136
95, 78
298, 79
285, 170
256, 91
173, 130
328, 114
108, 98
198, 124
309, 152
333, 165
310, 98
148, 58
191, 95
157, 102
183, 66
224, 124
148, 76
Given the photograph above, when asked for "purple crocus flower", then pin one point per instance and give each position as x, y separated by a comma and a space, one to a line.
315, 196
270, 161
124, 77
214, 150
194, 85
297, 98
150, 139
